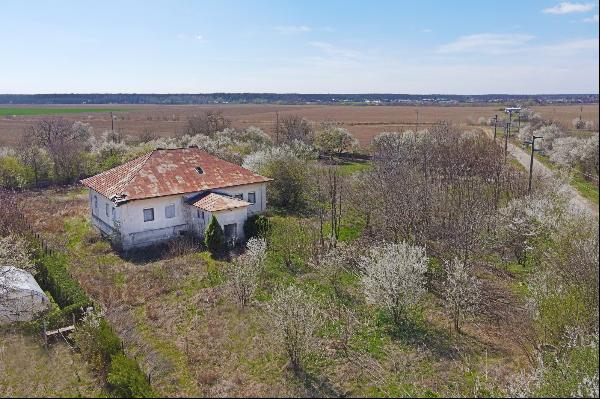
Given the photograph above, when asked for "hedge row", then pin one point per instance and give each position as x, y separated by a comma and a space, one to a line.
124, 378
54, 277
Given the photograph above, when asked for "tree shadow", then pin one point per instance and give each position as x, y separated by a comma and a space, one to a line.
316, 386
415, 331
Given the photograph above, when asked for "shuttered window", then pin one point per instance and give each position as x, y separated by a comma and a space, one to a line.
170, 211
148, 214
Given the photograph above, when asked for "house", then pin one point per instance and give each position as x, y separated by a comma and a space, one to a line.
166, 193
21, 298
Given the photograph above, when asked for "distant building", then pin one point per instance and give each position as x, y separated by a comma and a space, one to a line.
21, 298
166, 193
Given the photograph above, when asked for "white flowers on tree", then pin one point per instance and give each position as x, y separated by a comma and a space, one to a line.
394, 277
461, 292
294, 320
247, 268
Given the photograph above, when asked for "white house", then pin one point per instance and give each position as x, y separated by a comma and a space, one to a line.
168, 192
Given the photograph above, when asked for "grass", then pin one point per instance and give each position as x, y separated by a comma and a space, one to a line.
586, 188
26, 111
179, 319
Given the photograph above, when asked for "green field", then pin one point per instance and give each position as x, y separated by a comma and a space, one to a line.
49, 111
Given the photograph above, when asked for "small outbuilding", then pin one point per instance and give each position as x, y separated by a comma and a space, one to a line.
21, 298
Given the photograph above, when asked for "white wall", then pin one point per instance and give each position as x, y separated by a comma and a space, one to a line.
129, 217
135, 231
100, 212
260, 189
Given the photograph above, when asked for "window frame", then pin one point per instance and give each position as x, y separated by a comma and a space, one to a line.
239, 196
253, 193
144, 213
168, 206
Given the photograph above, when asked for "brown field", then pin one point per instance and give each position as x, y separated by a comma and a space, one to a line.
363, 121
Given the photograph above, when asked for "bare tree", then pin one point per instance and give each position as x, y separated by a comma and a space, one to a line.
295, 127
207, 124
294, 320
394, 277
65, 143
461, 292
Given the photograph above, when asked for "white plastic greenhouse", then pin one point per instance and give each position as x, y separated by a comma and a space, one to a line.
21, 298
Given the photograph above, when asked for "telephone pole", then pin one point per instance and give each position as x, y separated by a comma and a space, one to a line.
532, 143
506, 130
277, 127
112, 122
495, 125
417, 125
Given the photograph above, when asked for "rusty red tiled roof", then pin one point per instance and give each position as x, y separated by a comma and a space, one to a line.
169, 172
214, 202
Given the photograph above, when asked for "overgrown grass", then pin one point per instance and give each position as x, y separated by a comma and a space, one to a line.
30, 111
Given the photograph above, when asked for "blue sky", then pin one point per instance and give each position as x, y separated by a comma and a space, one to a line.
425, 46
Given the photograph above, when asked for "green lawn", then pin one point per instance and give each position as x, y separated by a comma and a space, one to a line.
6, 111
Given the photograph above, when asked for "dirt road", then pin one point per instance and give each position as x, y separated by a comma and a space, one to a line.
540, 169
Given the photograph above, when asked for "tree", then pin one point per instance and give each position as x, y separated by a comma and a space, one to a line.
247, 268
295, 127
214, 238
461, 292
294, 320
207, 124
394, 277
65, 143
335, 140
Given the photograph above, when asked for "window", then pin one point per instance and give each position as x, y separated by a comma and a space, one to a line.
199, 170
96, 202
106, 209
170, 211
252, 198
114, 214
148, 214
231, 230
239, 196
200, 213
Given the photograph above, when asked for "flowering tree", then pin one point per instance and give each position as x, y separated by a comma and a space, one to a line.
335, 139
15, 252
461, 292
293, 320
247, 268
394, 277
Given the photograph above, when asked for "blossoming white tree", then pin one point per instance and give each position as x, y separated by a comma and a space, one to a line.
294, 319
394, 277
461, 292
247, 268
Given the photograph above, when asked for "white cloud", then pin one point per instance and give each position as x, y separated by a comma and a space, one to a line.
486, 43
426, 30
292, 29
200, 37
567, 8
592, 19
335, 51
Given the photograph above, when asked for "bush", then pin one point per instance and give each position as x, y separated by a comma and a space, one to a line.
256, 225
97, 341
214, 237
54, 277
126, 379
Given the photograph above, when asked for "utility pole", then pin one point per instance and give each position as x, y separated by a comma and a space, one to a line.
532, 143
277, 127
417, 125
495, 125
112, 122
506, 130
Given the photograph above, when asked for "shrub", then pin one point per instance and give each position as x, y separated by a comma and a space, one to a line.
256, 225
96, 341
54, 277
214, 237
126, 379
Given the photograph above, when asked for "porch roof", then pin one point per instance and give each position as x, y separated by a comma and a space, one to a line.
213, 202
